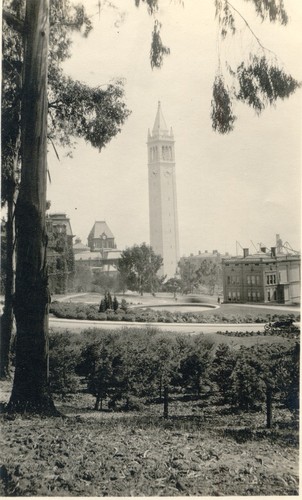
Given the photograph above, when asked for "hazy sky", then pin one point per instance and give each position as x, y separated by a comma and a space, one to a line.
244, 186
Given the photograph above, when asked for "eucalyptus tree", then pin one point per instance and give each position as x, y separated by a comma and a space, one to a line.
74, 110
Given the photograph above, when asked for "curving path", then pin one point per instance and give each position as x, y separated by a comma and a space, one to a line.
193, 328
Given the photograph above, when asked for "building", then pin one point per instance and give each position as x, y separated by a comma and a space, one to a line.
95, 263
266, 276
100, 238
164, 237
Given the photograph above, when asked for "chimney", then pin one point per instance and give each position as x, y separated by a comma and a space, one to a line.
273, 251
263, 249
245, 252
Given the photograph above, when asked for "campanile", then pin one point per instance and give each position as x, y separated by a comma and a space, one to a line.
162, 195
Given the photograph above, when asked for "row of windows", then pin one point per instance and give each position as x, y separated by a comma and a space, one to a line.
253, 296
166, 153
270, 279
253, 280
234, 296
271, 295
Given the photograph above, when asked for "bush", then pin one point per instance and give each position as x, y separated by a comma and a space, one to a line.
64, 349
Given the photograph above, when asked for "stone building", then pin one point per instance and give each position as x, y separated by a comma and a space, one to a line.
266, 276
100, 238
96, 263
164, 237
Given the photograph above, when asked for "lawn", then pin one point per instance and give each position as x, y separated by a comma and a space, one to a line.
133, 299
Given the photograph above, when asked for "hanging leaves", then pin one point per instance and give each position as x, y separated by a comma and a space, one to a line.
77, 110
272, 9
158, 50
152, 5
222, 113
262, 83
225, 17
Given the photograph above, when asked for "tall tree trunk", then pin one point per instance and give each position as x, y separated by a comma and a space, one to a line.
31, 391
8, 316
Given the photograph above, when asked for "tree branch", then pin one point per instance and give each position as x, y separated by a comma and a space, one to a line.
13, 21
248, 26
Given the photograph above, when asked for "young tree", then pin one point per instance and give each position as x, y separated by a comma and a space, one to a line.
221, 370
188, 278
138, 267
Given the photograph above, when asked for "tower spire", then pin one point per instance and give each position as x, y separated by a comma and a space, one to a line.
159, 126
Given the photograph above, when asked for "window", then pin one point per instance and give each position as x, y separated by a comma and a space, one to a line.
253, 280
228, 280
254, 296
258, 280
268, 295
238, 295
248, 280
258, 296
249, 296
229, 296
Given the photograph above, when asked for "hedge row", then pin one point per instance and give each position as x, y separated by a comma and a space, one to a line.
84, 311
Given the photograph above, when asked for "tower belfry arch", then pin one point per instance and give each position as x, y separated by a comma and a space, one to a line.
164, 237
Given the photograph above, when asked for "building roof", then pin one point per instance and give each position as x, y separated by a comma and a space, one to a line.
159, 126
262, 256
80, 247
59, 218
113, 254
88, 256
99, 228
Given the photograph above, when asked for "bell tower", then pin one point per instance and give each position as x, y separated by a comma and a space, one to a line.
164, 237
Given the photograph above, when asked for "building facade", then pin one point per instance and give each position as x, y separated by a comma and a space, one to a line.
100, 238
267, 277
163, 218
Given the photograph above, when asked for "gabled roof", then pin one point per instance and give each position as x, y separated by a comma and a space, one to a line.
99, 228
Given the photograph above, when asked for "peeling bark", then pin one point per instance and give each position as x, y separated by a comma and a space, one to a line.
31, 391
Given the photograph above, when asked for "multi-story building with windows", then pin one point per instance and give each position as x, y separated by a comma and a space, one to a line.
100, 238
264, 277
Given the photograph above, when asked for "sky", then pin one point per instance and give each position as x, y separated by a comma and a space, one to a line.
242, 187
